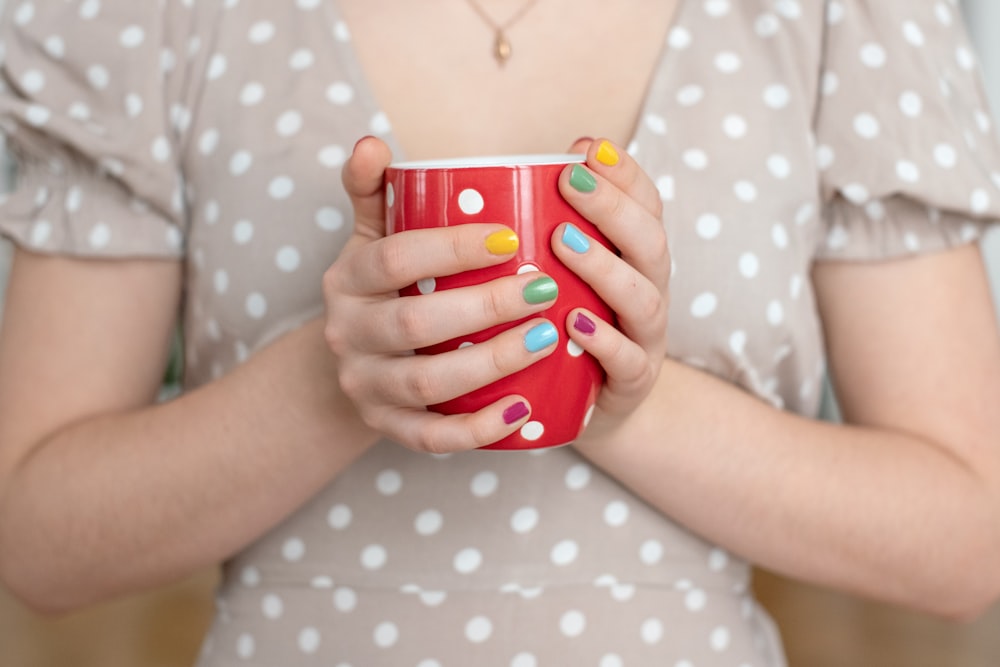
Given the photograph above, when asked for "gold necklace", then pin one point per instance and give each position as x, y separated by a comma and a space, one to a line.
501, 45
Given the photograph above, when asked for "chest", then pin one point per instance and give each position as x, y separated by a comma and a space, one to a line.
575, 69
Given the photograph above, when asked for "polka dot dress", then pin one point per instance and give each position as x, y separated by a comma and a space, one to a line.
778, 133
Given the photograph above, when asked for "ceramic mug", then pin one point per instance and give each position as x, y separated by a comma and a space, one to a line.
521, 192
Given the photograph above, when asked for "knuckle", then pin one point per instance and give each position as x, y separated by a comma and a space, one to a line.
331, 280
421, 385
479, 432
351, 382
619, 205
335, 338
657, 245
498, 363
390, 260
495, 305
457, 246
431, 440
657, 209
409, 322
651, 308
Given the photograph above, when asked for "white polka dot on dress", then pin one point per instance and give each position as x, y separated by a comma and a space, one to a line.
478, 629
389, 482
578, 477
484, 484
564, 553
281, 187
132, 37
240, 163
524, 520
704, 305
345, 599
309, 640
386, 634
293, 549
374, 557
573, 623
289, 123
252, 94
429, 522
467, 560
256, 305
652, 631
272, 606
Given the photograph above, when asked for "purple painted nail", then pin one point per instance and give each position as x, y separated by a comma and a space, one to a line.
516, 412
584, 324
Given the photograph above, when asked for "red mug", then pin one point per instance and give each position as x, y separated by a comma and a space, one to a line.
521, 192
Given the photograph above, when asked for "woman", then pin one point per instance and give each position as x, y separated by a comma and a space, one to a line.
820, 170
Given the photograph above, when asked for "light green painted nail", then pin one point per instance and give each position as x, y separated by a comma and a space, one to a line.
541, 290
581, 179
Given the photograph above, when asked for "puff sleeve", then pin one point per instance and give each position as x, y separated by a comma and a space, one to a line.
907, 149
87, 116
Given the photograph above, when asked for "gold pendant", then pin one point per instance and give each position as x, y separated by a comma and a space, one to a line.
501, 48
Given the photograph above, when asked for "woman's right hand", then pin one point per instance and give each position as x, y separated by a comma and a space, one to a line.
372, 331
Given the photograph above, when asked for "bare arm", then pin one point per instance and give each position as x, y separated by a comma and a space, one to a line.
102, 491
903, 503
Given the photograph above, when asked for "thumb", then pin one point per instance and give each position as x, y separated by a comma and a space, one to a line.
363, 177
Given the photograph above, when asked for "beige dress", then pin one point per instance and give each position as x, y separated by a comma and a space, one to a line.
779, 133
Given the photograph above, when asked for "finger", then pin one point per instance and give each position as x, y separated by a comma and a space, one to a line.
395, 261
419, 380
615, 164
627, 364
639, 301
414, 322
581, 145
433, 433
631, 228
363, 178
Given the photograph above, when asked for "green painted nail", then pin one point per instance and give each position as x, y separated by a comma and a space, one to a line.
581, 179
541, 290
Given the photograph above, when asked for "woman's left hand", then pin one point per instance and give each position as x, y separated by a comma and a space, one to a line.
617, 196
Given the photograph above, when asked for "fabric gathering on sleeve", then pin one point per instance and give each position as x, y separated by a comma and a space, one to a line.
90, 131
906, 147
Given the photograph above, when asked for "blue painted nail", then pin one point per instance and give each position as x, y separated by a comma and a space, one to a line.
575, 239
540, 337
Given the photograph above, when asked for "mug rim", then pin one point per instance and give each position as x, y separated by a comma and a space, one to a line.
485, 161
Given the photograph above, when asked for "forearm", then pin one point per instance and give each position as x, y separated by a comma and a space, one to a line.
880, 513
125, 501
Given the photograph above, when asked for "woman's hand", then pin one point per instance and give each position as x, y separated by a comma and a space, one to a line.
614, 193
372, 331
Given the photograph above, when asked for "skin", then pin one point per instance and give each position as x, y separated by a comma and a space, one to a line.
914, 348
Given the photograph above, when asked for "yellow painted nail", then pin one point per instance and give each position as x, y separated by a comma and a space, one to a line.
502, 243
606, 154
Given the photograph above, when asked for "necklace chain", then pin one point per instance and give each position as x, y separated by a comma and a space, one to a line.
501, 45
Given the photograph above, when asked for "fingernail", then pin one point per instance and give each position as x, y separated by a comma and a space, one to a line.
581, 179
364, 138
584, 324
540, 337
503, 242
516, 413
606, 154
541, 290
575, 239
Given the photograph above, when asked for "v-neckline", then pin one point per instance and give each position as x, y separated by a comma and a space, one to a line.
363, 86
